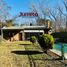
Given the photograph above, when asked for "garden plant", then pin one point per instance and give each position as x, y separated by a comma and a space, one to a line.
46, 42
33, 39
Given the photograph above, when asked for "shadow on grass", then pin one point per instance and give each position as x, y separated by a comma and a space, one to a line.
26, 52
51, 59
24, 44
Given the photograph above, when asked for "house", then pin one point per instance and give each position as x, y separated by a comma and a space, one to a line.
23, 33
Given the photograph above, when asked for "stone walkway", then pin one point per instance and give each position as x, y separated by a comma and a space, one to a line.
58, 53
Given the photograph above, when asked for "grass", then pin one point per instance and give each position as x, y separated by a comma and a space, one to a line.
25, 54
42, 59
9, 59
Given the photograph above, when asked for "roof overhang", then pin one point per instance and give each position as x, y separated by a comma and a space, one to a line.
26, 28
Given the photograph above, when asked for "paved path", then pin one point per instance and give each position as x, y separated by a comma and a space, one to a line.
58, 53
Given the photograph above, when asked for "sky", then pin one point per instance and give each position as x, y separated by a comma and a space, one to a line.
24, 5
18, 6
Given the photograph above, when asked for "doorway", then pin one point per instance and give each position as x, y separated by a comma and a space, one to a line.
20, 36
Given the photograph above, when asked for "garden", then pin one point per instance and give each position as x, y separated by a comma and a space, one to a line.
28, 54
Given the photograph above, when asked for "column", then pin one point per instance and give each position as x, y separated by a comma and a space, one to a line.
23, 36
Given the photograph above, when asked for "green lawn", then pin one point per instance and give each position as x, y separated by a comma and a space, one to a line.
25, 54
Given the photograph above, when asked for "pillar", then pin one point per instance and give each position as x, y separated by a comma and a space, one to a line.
23, 36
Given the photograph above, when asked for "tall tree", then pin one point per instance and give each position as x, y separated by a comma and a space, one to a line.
55, 14
10, 22
65, 14
4, 12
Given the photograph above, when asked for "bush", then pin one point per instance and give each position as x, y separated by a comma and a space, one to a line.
46, 41
33, 39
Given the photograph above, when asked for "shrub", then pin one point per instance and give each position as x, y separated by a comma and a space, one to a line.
33, 39
46, 41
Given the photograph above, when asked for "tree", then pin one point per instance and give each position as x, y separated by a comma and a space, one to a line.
43, 12
63, 13
65, 5
55, 14
4, 12
10, 22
